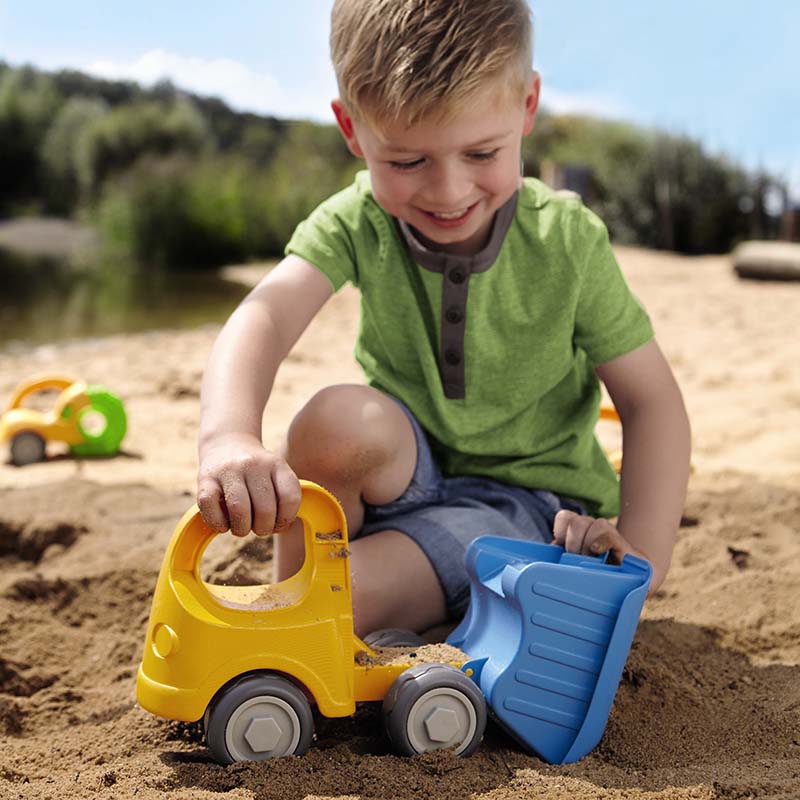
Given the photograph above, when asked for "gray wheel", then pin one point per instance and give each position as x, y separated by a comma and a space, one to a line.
27, 448
258, 716
433, 706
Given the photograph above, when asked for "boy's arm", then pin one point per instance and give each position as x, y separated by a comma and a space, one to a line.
242, 486
655, 464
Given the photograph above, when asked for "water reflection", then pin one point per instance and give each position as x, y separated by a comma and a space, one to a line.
59, 303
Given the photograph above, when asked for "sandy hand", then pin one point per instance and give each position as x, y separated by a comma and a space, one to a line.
243, 487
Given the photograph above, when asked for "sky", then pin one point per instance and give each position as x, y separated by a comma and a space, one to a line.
725, 72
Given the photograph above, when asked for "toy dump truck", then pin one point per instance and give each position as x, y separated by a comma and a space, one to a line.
89, 419
252, 661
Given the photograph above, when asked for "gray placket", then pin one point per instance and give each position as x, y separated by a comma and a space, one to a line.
456, 271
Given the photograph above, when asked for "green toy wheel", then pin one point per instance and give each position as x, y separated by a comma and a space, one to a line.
103, 424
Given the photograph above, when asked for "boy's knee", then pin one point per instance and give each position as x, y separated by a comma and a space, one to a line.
338, 433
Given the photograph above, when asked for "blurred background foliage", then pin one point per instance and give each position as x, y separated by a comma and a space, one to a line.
174, 180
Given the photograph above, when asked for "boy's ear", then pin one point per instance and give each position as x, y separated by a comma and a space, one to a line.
345, 123
531, 102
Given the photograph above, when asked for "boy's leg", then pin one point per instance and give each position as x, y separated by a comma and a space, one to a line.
394, 585
358, 443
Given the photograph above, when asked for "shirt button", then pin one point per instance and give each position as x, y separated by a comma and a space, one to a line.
457, 275
453, 315
452, 357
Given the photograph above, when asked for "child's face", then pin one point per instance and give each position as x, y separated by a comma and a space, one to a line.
447, 179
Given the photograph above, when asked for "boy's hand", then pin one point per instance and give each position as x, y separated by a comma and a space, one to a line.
243, 487
577, 533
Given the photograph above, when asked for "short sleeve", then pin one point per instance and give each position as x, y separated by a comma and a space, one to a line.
326, 238
610, 321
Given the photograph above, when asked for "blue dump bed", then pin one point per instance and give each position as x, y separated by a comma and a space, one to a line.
548, 633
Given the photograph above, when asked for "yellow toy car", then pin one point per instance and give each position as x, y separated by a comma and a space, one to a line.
251, 661
89, 419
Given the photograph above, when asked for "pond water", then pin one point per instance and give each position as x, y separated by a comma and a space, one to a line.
56, 304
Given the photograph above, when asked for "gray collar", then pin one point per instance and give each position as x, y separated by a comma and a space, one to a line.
437, 261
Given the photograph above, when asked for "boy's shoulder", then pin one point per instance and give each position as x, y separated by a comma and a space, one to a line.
344, 232
558, 212
536, 194
352, 209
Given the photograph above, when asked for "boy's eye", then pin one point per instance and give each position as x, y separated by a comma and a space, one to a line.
484, 155
406, 165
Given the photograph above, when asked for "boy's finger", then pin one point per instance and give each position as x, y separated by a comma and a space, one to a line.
600, 544
211, 504
602, 537
560, 525
573, 532
287, 496
576, 534
262, 500
237, 503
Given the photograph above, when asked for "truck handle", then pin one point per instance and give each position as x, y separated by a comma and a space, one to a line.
320, 510
57, 382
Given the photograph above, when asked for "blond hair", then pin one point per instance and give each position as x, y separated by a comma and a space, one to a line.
417, 59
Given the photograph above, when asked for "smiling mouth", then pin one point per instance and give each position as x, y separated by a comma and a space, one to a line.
450, 214
450, 217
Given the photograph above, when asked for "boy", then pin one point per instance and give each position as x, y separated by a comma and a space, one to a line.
490, 307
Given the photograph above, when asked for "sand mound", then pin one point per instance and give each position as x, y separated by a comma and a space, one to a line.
705, 709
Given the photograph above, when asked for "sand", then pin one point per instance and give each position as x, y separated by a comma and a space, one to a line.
709, 703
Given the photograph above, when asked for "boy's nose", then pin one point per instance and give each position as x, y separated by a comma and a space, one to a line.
449, 186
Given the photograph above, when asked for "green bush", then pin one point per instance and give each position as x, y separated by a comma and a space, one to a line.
113, 142
180, 212
62, 152
158, 215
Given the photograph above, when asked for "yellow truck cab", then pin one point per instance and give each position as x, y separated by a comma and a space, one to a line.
251, 661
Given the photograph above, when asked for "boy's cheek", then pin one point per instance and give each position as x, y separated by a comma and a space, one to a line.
389, 192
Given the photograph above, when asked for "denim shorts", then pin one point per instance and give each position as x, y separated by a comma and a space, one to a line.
443, 515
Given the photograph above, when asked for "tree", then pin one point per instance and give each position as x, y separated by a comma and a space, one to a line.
61, 151
116, 141
28, 101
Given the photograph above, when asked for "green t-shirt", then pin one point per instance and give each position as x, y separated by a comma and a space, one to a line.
551, 306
